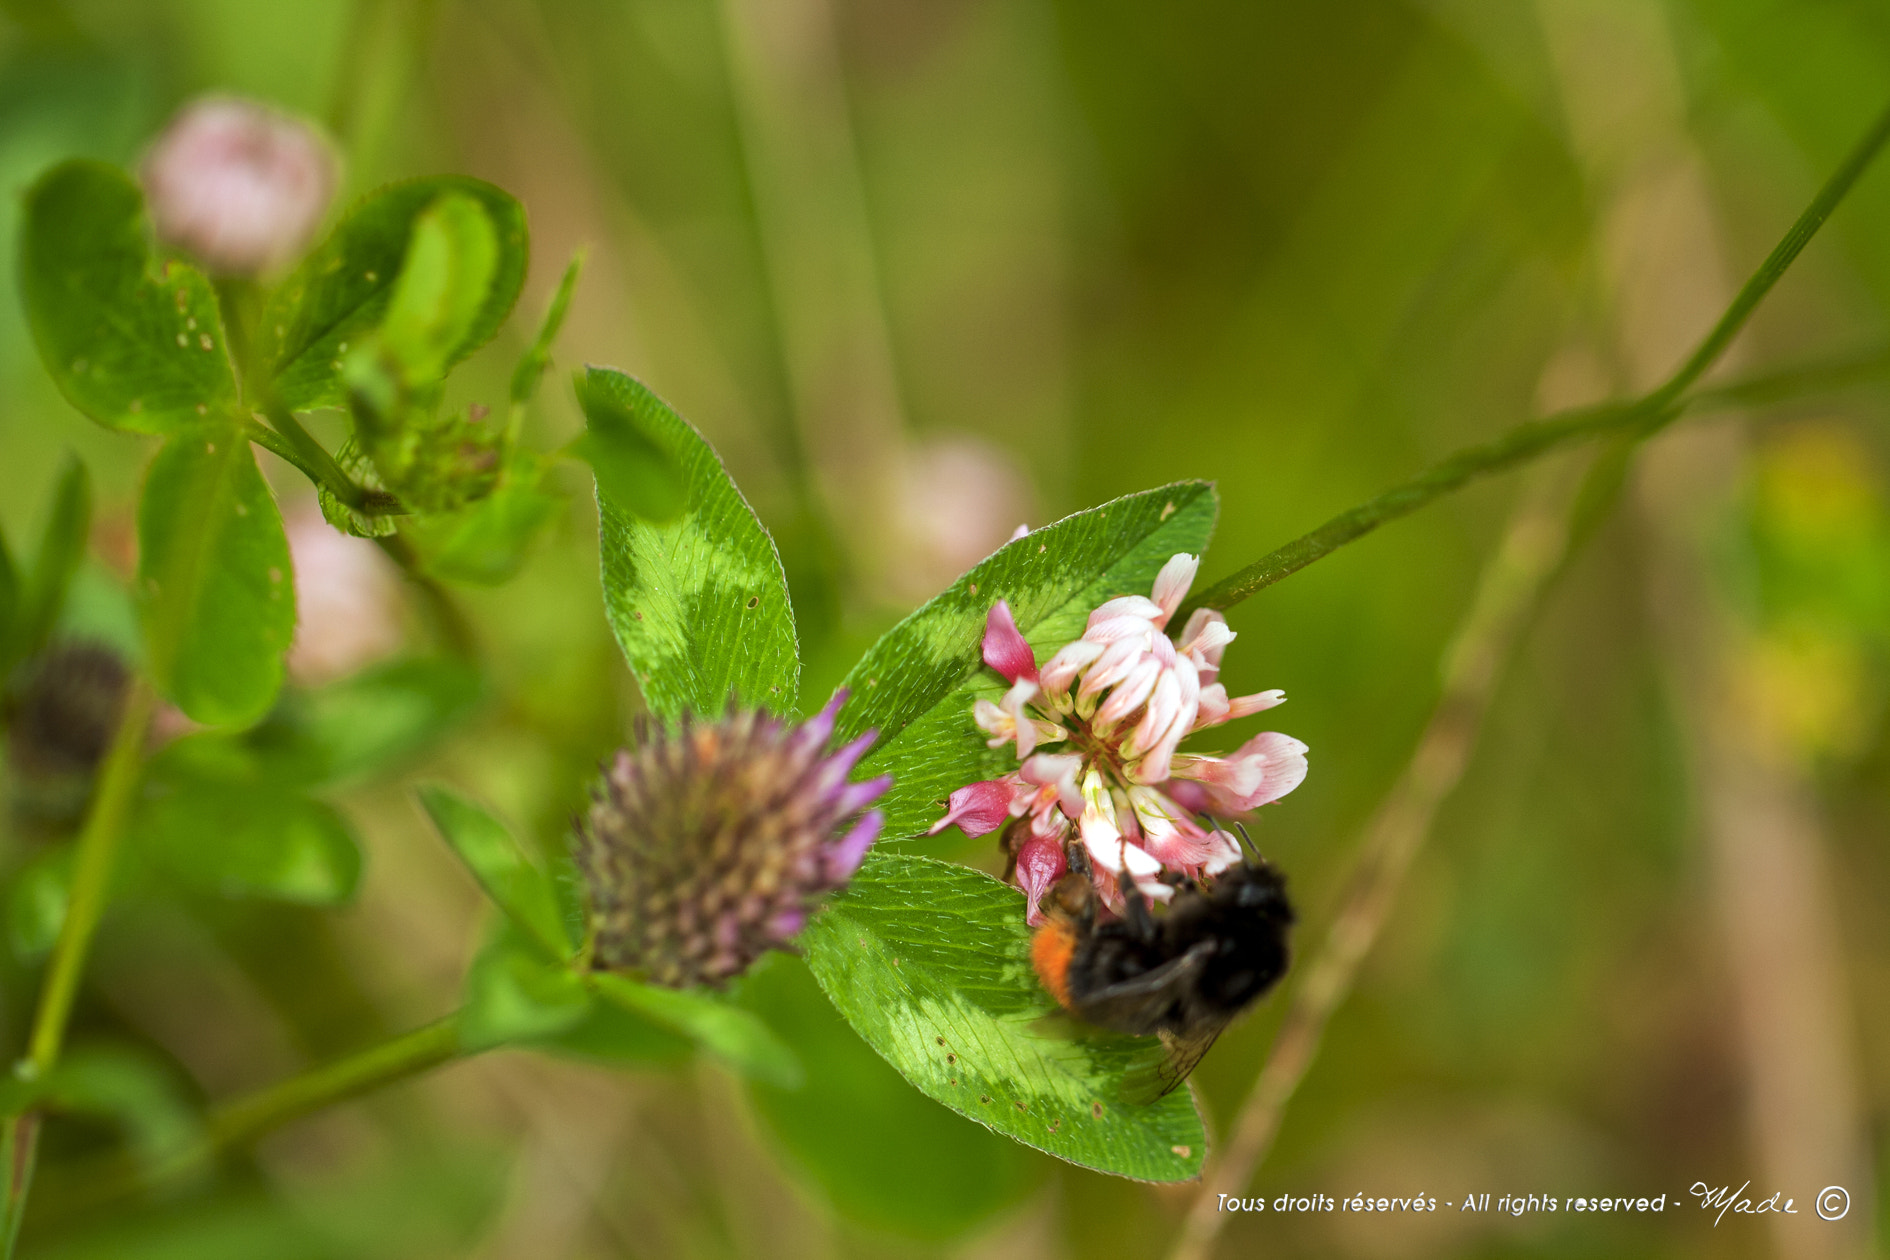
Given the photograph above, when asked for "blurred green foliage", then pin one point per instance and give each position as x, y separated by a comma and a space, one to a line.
1300, 250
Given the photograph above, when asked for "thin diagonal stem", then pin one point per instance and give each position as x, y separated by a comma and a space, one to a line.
243, 1120
96, 857
1642, 417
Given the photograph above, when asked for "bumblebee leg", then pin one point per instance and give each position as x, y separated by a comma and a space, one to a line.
1135, 909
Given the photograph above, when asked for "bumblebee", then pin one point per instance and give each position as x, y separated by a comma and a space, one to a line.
1184, 974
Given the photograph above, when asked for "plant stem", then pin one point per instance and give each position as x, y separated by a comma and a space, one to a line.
19, 1142
1642, 417
243, 1120
1531, 554
91, 883
91, 877
320, 467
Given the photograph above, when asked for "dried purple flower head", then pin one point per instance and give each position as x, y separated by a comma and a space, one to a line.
66, 713
60, 723
238, 185
707, 845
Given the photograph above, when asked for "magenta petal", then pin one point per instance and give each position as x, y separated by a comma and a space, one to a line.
787, 924
855, 796
841, 761
977, 808
1004, 648
846, 854
818, 729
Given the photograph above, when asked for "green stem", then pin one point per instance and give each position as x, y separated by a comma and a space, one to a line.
273, 442
1768, 388
91, 883
319, 466
243, 1120
1638, 418
91, 878
19, 1142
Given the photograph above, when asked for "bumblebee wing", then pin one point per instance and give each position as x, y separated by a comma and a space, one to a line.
1184, 1051
1137, 1005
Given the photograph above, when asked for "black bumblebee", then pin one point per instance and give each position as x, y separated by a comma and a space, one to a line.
1184, 974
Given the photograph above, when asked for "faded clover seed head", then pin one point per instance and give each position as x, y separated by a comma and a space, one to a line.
708, 845
238, 185
60, 723
65, 715
1110, 711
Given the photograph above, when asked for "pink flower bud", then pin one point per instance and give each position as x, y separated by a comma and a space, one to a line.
239, 186
1040, 864
1004, 648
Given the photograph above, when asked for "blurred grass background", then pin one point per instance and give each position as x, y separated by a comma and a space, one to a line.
924, 270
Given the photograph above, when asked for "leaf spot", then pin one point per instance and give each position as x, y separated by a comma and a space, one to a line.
210, 448
1096, 1110
974, 588
1168, 509
1183, 1151
203, 339
1021, 1106
636, 614
135, 405
951, 1058
940, 1040
191, 323
1042, 547
372, 277
1056, 1124
275, 574
182, 340
242, 509
202, 410
984, 1098
754, 601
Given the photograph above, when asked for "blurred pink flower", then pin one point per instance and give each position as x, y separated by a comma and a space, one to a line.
959, 499
347, 601
238, 185
1119, 700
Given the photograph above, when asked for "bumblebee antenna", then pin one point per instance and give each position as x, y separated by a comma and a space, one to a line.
1246, 839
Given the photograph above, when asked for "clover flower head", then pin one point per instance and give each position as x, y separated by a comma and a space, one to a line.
1108, 712
709, 844
240, 186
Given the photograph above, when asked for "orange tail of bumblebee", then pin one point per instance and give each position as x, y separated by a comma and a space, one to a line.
1050, 951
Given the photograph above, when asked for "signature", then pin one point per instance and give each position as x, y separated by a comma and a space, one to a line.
1727, 1199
